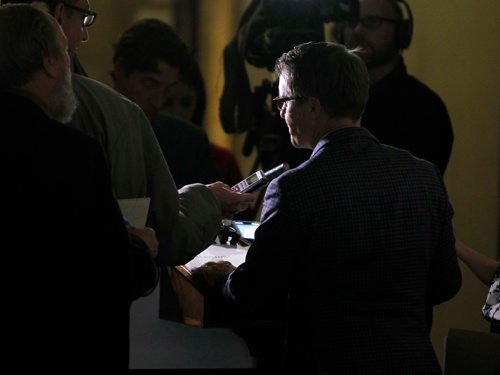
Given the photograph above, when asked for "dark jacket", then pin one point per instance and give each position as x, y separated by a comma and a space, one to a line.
186, 149
403, 112
353, 244
73, 272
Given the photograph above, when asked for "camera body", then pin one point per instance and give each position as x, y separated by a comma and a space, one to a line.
279, 25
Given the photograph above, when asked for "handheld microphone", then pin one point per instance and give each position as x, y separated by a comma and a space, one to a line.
276, 171
260, 179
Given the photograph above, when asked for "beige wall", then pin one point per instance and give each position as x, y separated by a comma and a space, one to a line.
455, 51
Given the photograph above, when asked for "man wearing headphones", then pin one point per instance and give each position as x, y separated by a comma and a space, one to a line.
401, 111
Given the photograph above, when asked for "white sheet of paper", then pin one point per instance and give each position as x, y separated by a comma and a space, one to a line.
135, 210
214, 253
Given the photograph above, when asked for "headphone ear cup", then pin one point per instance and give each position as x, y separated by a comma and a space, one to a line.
403, 34
404, 30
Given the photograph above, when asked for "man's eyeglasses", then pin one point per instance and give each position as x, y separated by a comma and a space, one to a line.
371, 22
88, 15
280, 101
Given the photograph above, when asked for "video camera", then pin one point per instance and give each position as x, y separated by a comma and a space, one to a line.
267, 29
276, 26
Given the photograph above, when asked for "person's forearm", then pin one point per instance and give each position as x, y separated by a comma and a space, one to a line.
481, 265
197, 223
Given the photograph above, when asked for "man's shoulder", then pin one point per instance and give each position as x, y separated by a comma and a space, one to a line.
74, 139
103, 112
87, 88
420, 91
34, 123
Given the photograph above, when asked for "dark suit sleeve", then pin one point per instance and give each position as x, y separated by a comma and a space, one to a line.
259, 286
445, 277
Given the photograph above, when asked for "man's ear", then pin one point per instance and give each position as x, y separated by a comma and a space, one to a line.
57, 13
314, 105
51, 66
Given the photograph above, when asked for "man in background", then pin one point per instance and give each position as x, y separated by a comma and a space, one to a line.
187, 99
150, 58
401, 111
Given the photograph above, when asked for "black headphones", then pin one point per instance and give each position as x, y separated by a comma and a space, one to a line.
404, 30
403, 33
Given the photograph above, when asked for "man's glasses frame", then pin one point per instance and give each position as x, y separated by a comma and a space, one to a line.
88, 15
371, 22
280, 101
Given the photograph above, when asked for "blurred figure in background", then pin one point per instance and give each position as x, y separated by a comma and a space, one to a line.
401, 111
149, 60
187, 99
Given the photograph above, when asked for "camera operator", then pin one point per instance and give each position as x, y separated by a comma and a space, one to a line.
401, 110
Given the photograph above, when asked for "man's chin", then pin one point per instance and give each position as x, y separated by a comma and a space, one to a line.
365, 53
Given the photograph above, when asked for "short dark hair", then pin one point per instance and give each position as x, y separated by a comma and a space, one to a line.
50, 3
150, 40
28, 35
330, 72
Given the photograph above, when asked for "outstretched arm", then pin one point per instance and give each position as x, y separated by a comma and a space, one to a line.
481, 265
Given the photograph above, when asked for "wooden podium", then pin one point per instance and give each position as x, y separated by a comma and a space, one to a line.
193, 297
264, 338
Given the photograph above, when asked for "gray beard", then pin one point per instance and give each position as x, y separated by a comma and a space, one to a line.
64, 101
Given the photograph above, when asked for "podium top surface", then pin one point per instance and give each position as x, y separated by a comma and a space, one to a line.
214, 253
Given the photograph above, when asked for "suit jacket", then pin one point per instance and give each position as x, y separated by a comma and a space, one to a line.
71, 265
352, 244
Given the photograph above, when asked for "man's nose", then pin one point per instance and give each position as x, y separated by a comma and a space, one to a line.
85, 34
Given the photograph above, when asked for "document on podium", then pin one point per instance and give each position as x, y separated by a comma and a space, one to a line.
214, 253
192, 296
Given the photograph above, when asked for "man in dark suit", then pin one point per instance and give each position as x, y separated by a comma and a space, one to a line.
353, 242
72, 270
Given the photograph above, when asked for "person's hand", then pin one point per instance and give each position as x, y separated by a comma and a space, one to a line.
148, 236
231, 201
210, 272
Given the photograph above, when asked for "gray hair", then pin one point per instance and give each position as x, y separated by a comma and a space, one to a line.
27, 35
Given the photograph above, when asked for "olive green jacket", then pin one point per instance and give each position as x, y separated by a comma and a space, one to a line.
186, 221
